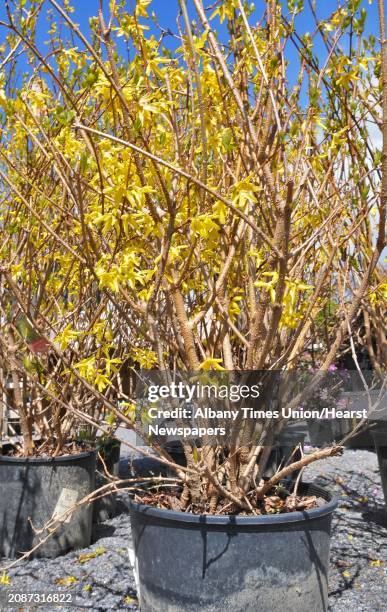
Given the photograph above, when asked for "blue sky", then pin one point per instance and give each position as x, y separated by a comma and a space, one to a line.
166, 11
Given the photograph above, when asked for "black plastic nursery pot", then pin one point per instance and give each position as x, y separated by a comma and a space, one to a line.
323, 432
358, 400
105, 507
186, 562
175, 449
35, 490
288, 448
362, 440
379, 433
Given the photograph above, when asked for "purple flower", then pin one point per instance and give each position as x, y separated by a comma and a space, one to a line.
332, 368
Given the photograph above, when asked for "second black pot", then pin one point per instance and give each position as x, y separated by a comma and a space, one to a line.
105, 507
323, 432
33, 491
379, 433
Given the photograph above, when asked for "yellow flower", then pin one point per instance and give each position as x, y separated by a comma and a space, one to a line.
211, 364
5, 579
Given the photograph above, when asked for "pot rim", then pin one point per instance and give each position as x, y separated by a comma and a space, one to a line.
229, 519
47, 460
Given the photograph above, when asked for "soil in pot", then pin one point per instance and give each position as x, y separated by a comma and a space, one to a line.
105, 507
186, 562
36, 489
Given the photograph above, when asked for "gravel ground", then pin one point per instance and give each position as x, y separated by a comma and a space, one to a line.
103, 580
98, 578
358, 568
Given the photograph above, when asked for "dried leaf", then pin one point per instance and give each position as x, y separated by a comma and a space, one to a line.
273, 504
294, 503
306, 503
